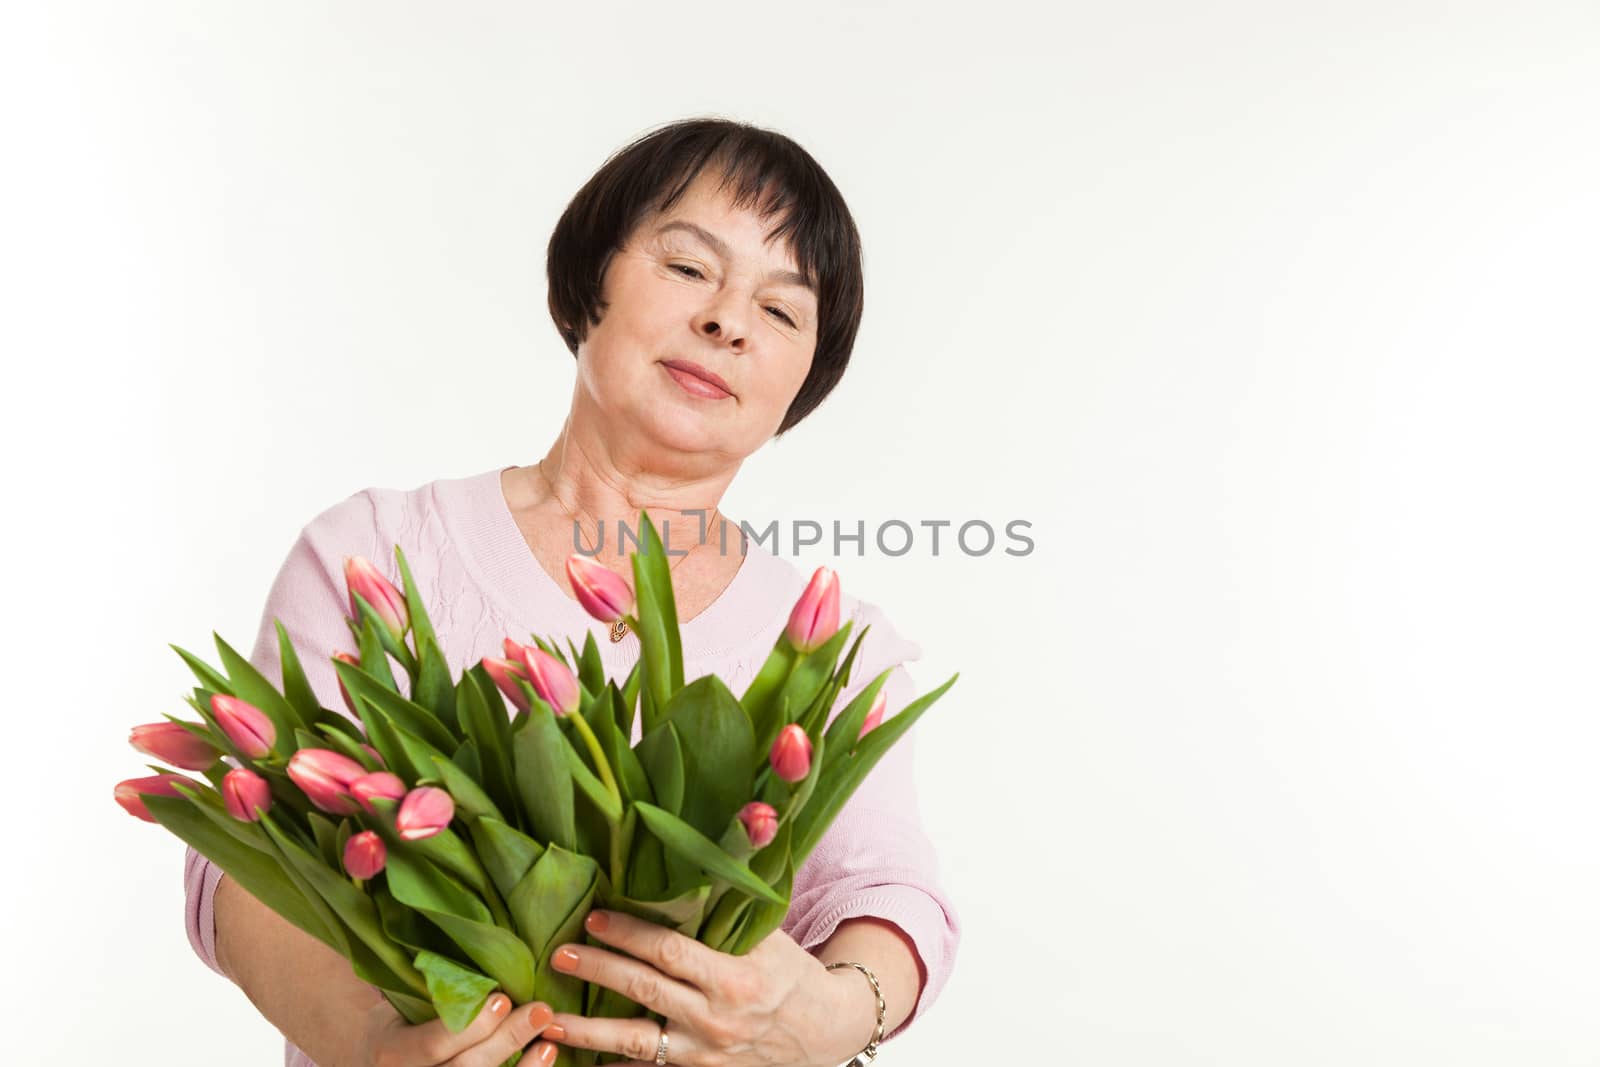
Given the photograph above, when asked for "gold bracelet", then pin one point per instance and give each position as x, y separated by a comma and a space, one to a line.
865, 1057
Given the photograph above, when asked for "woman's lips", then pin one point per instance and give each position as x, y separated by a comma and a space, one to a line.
692, 383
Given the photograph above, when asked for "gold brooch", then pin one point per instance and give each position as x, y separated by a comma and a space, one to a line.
619, 630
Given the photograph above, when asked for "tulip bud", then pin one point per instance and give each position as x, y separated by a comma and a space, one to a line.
424, 812
131, 792
791, 754
364, 855
346, 657
601, 590
552, 680
874, 714
325, 777
760, 823
506, 674
172, 743
815, 617
360, 576
377, 784
246, 794
246, 725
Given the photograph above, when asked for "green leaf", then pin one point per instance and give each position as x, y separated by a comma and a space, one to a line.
630, 700
255, 867
660, 646
472, 803
814, 718
549, 906
483, 720
434, 689
458, 994
296, 689
464, 919
683, 912
846, 726
416, 607
760, 698
591, 670
661, 755
327, 835
811, 672
719, 753
506, 852
582, 777
763, 916
209, 678
353, 907
368, 615
414, 718
544, 780
345, 745
699, 849
370, 643
841, 778
251, 686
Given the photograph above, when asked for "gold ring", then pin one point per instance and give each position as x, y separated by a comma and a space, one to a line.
661, 1048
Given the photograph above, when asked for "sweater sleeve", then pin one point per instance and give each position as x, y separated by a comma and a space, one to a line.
308, 597
875, 859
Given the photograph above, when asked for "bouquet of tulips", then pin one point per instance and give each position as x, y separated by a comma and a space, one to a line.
447, 844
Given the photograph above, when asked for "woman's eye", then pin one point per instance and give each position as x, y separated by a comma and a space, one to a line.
689, 270
779, 312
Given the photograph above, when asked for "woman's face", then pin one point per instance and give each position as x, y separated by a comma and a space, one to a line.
699, 285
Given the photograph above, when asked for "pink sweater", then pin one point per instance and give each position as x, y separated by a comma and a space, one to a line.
482, 584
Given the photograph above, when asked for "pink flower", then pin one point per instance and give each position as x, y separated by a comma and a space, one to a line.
346, 657
360, 576
601, 590
760, 823
874, 714
791, 754
131, 793
364, 855
325, 777
246, 725
424, 812
815, 617
246, 794
506, 673
377, 784
172, 743
551, 679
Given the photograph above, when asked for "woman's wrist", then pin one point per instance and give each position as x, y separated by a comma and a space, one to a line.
879, 946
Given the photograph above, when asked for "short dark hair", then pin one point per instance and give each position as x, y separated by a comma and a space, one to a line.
763, 168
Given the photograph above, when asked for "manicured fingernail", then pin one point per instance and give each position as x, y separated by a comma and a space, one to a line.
538, 1015
547, 1053
498, 1005
565, 960
597, 921
554, 1032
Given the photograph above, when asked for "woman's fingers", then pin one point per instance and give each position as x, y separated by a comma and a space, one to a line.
639, 982
432, 1043
634, 1038
526, 1022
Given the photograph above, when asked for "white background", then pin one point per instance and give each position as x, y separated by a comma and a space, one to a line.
1277, 322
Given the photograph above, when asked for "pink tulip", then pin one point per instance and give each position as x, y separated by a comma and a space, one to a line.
246, 794
874, 714
601, 590
506, 674
246, 725
325, 777
360, 576
172, 743
364, 855
346, 657
377, 784
131, 793
815, 617
791, 754
760, 823
552, 680
424, 812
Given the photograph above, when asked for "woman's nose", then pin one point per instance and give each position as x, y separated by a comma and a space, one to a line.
725, 320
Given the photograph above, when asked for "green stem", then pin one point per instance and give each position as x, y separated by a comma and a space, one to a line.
581, 724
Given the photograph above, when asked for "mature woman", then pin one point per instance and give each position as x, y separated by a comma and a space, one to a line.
708, 281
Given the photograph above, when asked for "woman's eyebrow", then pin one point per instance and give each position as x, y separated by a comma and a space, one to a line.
720, 247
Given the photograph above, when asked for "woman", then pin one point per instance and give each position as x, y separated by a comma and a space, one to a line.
708, 281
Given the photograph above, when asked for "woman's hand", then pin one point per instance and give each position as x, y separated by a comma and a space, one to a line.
778, 1005
387, 1040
